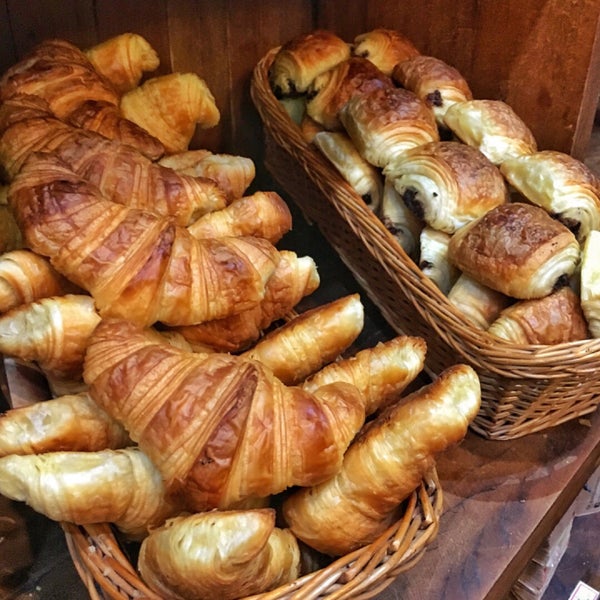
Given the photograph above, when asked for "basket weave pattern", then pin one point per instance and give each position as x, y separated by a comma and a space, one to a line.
524, 388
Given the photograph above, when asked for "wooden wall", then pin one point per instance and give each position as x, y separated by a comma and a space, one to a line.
541, 56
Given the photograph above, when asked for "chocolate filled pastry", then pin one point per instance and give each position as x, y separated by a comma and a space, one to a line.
302, 58
493, 127
362, 176
553, 319
331, 90
447, 184
385, 122
433, 80
433, 258
559, 183
385, 48
590, 282
517, 249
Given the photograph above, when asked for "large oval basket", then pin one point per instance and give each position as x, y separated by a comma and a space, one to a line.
108, 572
524, 388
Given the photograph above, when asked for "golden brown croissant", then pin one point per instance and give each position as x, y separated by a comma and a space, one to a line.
294, 278
385, 48
118, 486
590, 282
219, 428
73, 422
170, 107
517, 249
553, 319
123, 59
302, 58
262, 214
385, 464
381, 373
219, 554
136, 264
312, 339
26, 276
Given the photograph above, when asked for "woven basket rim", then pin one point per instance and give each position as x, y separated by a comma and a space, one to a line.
107, 572
444, 318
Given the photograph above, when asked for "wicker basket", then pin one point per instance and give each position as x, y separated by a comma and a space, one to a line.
107, 571
524, 388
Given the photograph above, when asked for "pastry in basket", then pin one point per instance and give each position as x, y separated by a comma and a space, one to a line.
68, 423
134, 263
589, 291
219, 554
493, 127
312, 339
385, 48
298, 61
399, 220
233, 174
26, 276
384, 465
436, 82
433, 258
294, 278
381, 373
171, 107
553, 319
446, 183
262, 214
220, 428
123, 60
119, 486
517, 249
564, 186
361, 175
385, 122
480, 304
332, 89
309, 128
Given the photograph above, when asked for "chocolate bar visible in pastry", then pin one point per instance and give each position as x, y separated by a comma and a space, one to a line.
385, 122
590, 282
559, 183
332, 89
362, 176
447, 184
433, 258
385, 48
517, 249
433, 80
302, 58
553, 319
493, 127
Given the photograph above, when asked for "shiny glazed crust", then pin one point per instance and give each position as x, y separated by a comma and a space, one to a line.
385, 48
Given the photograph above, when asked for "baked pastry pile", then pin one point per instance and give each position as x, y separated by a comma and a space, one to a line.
143, 278
499, 225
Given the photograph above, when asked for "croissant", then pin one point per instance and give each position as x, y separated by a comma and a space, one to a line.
123, 60
135, 264
384, 465
590, 282
220, 428
220, 554
310, 340
434, 261
294, 278
262, 214
304, 57
26, 276
68, 423
562, 185
170, 107
517, 249
385, 48
381, 373
119, 486
446, 184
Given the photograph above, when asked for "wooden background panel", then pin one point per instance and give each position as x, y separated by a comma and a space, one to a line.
8, 54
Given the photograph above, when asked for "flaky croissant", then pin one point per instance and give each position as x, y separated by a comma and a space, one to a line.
135, 264
219, 554
384, 465
384, 47
590, 282
219, 428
